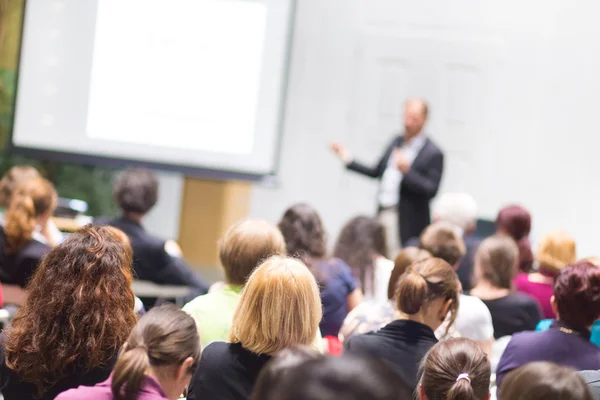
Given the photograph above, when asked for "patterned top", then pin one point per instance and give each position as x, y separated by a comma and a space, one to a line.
369, 316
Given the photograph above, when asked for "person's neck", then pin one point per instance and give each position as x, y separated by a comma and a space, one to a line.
408, 137
133, 216
486, 291
421, 319
166, 386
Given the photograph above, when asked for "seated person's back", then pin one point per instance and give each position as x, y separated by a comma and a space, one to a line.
136, 192
242, 248
77, 316
21, 244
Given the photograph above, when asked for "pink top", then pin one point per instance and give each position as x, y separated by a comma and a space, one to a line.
150, 390
542, 292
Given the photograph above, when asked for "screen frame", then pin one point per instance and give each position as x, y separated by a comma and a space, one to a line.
187, 170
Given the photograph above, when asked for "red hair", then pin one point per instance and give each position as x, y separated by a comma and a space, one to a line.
577, 294
515, 221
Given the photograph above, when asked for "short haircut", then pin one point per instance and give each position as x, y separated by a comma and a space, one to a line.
245, 245
136, 190
280, 366
449, 359
426, 281
280, 307
576, 294
404, 259
459, 209
555, 251
496, 259
442, 240
543, 381
12, 179
348, 377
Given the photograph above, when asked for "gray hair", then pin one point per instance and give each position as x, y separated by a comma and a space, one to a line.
458, 209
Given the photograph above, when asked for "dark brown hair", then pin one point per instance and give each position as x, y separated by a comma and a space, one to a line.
79, 311
360, 240
426, 281
136, 190
279, 366
544, 381
577, 295
497, 258
12, 179
515, 221
404, 259
32, 199
449, 359
245, 245
164, 337
442, 241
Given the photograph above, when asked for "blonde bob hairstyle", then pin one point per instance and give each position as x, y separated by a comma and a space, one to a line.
280, 307
555, 251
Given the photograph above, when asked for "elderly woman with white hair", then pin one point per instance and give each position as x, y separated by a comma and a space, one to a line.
460, 210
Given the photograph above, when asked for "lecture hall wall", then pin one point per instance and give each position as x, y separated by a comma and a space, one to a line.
513, 91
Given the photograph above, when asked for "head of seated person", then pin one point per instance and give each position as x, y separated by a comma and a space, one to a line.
136, 192
361, 244
347, 377
515, 221
543, 381
279, 366
556, 250
443, 240
455, 369
458, 209
12, 179
78, 315
576, 299
495, 265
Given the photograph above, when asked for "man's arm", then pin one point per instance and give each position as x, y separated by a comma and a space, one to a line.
353, 165
426, 182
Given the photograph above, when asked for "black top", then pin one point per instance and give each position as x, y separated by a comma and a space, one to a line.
418, 186
402, 344
226, 371
16, 268
13, 388
514, 313
151, 262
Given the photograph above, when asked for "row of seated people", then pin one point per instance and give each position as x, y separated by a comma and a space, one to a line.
27, 231
77, 337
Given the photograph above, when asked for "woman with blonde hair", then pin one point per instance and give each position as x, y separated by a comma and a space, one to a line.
555, 251
22, 243
156, 362
425, 294
279, 308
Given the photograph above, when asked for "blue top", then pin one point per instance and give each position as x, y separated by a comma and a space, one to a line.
336, 283
566, 347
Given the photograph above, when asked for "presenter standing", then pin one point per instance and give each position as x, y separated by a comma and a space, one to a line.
409, 171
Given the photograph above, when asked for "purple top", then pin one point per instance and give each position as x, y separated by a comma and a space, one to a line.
150, 390
542, 292
554, 345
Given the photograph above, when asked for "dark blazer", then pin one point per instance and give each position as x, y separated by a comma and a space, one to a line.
418, 187
151, 262
17, 268
226, 371
402, 344
569, 349
13, 388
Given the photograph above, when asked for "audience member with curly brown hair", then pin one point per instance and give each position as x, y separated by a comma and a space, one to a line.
304, 236
78, 315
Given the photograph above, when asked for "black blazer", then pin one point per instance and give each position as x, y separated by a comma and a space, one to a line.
151, 262
226, 371
418, 187
402, 344
17, 268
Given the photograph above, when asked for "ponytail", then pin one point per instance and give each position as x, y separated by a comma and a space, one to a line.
129, 372
412, 292
20, 221
462, 389
33, 198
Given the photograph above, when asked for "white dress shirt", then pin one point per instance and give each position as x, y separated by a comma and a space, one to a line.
389, 193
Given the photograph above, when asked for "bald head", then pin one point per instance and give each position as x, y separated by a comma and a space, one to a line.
415, 116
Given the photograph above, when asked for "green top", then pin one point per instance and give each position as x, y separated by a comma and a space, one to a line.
213, 313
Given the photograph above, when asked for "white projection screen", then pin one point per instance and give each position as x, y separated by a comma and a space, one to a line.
190, 85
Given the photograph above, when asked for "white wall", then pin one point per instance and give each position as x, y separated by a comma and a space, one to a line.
513, 90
